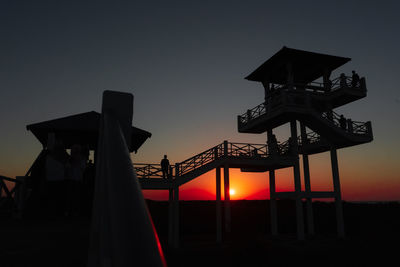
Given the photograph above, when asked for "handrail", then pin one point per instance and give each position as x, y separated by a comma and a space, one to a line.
291, 97
348, 125
200, 159
310, 138
247, 150
279, 95
333, 85
146, 170
236, 150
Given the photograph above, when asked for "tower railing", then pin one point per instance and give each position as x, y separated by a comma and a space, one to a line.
297, 98
247, 150
333, 85
282, 95
309, 138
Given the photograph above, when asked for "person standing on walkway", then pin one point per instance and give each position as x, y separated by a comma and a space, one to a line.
165, 167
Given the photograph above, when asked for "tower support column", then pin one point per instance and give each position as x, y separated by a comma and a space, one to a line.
307, 183
176, 216
170, 217
218, 204
297, 181
272, 190
227, 200
338, 194
272, 201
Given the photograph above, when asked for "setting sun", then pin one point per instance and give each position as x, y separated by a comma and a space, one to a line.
232, 191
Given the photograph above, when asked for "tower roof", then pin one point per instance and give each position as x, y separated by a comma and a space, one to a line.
307, 66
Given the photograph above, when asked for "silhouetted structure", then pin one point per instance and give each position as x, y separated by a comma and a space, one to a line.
33, 190
292, 94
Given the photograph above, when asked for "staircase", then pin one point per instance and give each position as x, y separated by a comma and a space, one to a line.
236, 155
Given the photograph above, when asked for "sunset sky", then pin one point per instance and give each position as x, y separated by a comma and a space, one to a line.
185, 63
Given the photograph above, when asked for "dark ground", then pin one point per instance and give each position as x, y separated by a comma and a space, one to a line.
373, 236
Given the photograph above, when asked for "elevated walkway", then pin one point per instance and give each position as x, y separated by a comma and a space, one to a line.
254, 157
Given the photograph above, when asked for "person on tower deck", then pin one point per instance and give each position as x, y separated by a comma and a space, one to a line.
342, 122
165, 167
290, 146
355, 79
273, 146
255, 153
343, 82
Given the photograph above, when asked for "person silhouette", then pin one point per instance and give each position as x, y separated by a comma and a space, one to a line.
164, 167
342, 122
255, 153
343, 82
355, 79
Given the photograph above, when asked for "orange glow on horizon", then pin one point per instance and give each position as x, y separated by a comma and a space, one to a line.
255, 186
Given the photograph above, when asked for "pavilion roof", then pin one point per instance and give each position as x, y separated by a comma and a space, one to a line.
80, 129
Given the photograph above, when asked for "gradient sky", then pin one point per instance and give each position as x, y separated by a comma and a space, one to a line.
185, 63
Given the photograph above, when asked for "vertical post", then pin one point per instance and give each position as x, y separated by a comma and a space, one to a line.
218, 204
274, 220
272, 196
307, 183
227, 198
297, 182
225, 148
176, 216
171, 217
338, 194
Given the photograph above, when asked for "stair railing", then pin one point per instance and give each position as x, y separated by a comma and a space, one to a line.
145, 170
200, 159
350, 126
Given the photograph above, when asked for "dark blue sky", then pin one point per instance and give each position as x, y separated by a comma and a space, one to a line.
185, 61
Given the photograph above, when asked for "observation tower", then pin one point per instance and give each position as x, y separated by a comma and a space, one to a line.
299, 90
